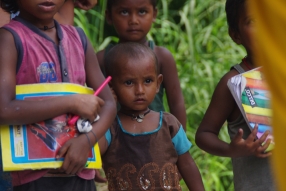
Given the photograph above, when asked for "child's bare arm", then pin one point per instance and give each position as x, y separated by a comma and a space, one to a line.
190, 172
221, 108
76, 150
172, 84
103, 145
5, 17
100, 58
94, 78
66, 14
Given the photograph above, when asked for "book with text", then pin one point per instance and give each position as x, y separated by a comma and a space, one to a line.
34, 146
251, 94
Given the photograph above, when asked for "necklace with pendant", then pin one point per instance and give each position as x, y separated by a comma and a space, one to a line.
139, 118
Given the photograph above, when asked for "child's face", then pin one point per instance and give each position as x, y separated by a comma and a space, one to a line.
136, 83
39, 10
246, 27
132, 19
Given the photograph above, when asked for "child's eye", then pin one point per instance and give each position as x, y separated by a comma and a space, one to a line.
148, 81
128, 82
142, 12
124, 12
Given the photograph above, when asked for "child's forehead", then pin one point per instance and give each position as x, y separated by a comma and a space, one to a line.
134, 65
131, 3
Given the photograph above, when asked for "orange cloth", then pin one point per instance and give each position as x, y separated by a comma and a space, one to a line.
270, 53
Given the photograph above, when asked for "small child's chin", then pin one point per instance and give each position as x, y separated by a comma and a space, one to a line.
139, 107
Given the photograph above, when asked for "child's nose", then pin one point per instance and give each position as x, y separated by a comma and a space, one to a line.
139, 89
133, 19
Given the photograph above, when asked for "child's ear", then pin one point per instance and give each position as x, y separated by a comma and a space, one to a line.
235, 36
159, 81
155, 14
108, 17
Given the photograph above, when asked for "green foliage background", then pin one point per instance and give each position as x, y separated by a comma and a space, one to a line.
196, 33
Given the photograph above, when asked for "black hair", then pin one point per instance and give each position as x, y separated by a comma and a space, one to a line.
11, 6
127, 50
112, 2
233, 10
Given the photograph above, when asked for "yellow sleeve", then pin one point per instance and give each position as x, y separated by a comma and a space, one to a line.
270, 53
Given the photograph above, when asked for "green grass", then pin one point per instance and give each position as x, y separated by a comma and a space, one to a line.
196, 33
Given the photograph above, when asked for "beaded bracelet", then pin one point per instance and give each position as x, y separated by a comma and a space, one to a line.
96, 140
88, 140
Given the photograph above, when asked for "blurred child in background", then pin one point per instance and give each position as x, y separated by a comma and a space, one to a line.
251, 165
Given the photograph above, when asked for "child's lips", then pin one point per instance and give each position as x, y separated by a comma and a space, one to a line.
140, 100
47, 6
134, 30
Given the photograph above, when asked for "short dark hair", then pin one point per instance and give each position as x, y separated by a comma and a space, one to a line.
233, 11
10, 6
127, 50
112, 2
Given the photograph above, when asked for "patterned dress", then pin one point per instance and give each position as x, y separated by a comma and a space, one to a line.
145, 161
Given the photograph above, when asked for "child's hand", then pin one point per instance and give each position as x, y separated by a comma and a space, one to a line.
250, 146
75, 151
87, 106
85, 4
99, 178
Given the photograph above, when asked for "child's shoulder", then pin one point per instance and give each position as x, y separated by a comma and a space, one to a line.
172, 124
162, 51
169, 115
232, 72
6, 36
222, 95
165, 58
171, 120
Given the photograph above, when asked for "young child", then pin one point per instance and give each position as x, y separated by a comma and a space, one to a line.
132, 20
147, 146
64, 16
251, 166
34, 48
